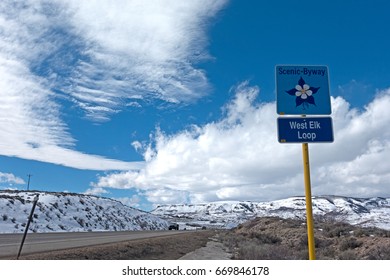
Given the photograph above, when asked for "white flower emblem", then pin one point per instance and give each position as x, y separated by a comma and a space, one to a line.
303, 91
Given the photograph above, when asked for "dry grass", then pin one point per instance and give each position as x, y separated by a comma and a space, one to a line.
280, 239
160, 248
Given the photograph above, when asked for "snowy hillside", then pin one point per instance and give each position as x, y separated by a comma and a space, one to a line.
216, 215
366, 212
71, 212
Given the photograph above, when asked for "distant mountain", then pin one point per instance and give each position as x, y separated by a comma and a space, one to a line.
77, 212
71, 212
366, 212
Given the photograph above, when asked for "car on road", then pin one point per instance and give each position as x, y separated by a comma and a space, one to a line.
173, 226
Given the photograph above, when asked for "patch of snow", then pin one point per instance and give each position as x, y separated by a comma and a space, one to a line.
71, 212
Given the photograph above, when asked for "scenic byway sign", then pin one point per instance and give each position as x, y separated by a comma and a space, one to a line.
305, 130
302, 90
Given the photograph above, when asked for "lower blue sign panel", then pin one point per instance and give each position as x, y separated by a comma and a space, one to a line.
305, 130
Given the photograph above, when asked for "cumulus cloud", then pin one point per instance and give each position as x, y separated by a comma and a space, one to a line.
96, 191
239, 158
133, 201
10, 178
101, 55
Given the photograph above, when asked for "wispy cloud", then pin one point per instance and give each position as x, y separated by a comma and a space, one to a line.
137, 50
30, 117
101, 55
239, 158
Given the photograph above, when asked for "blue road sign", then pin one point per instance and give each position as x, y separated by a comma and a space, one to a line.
302, 90
305, 130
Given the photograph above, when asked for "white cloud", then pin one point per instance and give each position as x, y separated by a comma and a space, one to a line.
136, 50
30, 123
133, 201
10, 178
96, 191
239, 158
165, 196
99, 54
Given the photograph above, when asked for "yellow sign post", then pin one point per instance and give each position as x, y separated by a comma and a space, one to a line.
309, 208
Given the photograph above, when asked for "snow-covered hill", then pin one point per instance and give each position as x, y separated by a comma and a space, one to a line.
77, 212
358, 211
71, 212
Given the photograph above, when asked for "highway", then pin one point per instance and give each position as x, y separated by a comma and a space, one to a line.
44, 242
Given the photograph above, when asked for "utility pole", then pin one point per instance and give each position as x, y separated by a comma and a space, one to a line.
28, 184
30, 218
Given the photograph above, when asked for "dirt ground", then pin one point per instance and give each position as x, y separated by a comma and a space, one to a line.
160, 248
214, 250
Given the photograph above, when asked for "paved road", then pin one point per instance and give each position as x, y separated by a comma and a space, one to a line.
44, 242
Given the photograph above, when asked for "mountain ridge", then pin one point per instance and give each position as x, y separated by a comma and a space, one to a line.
61, 211
367, 212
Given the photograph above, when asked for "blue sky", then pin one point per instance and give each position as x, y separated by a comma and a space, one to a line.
155, 102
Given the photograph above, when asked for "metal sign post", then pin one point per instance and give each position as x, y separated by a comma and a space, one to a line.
309, 207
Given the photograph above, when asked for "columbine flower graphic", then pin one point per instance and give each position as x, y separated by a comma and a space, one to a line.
304, 93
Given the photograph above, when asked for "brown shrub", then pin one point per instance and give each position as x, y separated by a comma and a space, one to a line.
278, 239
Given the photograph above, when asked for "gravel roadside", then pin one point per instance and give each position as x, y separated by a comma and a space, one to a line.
213, 250
159, 248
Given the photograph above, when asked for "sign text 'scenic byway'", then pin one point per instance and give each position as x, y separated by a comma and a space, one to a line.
302, 71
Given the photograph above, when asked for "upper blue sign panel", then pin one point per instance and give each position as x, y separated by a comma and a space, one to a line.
302, 90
